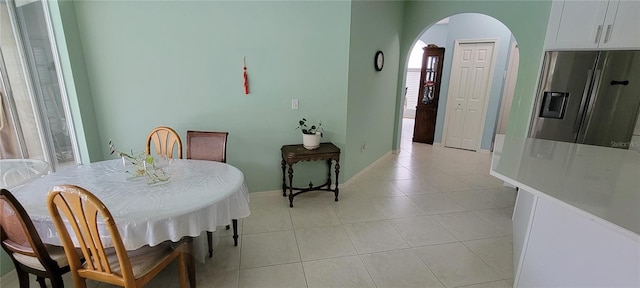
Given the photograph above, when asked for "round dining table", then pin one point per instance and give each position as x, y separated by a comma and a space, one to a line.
199, 196
15, 172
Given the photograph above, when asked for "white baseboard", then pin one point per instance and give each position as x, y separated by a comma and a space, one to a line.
265, 193
439, 144
349, 181
365, 169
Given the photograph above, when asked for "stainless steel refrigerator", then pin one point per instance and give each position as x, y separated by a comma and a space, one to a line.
589, 97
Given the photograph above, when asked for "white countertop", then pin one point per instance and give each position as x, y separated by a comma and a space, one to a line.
604, 182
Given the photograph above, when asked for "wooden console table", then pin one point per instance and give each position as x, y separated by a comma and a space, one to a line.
292, 154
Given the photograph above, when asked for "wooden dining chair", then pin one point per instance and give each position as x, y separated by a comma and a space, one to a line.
212, 146
165, 140
205, 145
23, 244
83, 212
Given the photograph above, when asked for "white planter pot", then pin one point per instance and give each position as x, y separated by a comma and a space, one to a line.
311, 141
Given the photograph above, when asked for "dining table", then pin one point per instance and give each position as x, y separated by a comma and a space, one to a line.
199, 196
15, 172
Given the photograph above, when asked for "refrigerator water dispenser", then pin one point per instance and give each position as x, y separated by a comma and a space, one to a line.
554, 104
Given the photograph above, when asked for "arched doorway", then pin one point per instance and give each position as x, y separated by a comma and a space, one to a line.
458, 35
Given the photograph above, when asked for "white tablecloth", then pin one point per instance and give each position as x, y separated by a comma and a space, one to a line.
200, 196
15, 172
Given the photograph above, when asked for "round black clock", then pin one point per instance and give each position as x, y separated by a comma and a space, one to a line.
378, 61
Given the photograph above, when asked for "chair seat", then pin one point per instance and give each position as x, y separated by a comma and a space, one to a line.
142, 260
55, 252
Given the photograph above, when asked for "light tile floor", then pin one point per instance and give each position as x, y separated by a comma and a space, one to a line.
425, 217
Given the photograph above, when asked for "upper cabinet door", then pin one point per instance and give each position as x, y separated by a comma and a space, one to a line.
576, 24
621, 27
590, 25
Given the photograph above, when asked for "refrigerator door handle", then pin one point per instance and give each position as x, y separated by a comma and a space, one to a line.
598, 32
583, 103
591, 103
2, 112
625, 82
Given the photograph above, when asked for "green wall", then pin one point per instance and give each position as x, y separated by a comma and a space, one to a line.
375, 25
527, 20
179, 64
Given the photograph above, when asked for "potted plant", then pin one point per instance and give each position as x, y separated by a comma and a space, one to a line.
311, 134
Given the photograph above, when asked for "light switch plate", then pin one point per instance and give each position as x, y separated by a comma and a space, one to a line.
294, 104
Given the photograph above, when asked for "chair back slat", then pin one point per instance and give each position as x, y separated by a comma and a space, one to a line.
66, 206
165, 140
206, 145
100, 258
84, 212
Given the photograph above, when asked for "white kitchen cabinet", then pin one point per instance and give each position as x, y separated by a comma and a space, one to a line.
568, 248
576, 221
588, 24
621, 27
523, 213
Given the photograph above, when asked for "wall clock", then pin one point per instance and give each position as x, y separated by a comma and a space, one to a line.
378, 61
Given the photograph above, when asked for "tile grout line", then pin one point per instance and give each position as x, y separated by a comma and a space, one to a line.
295, 235
485, 263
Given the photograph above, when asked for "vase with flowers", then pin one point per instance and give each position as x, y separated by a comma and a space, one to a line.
311, 134
141, 165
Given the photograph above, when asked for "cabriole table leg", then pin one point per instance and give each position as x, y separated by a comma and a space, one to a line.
337, 173
290, 185
284, 185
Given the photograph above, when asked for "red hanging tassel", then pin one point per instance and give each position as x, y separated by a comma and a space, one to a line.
246, 81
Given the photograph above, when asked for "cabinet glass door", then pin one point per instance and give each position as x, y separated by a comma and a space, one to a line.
427, 107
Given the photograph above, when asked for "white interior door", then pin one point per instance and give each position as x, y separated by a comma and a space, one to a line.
469, 87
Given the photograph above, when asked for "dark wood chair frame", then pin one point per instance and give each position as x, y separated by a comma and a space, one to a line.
234, 222
37, 249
